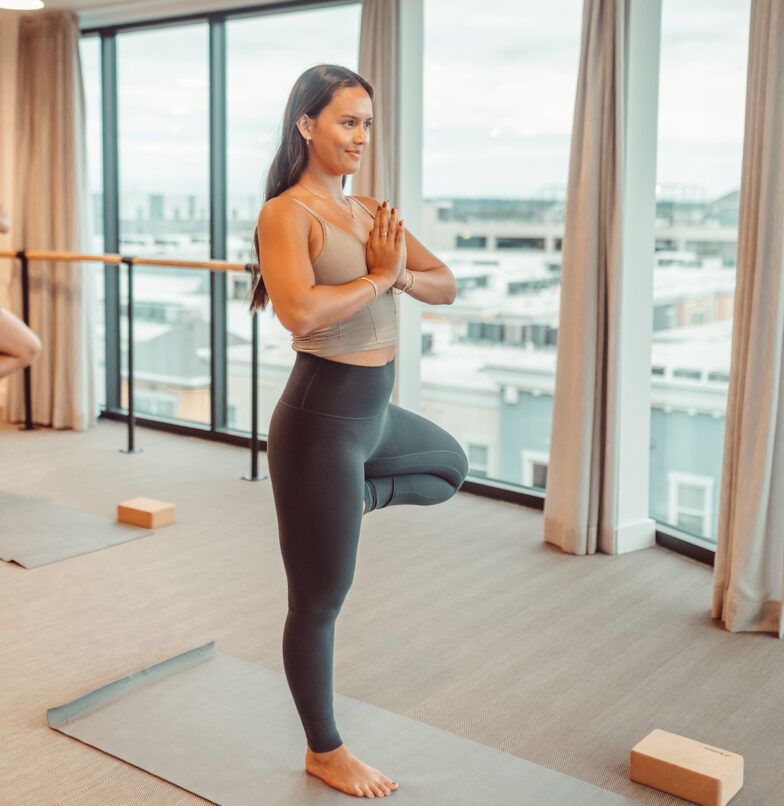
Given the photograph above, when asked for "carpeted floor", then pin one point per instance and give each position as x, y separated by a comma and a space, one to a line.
459, 617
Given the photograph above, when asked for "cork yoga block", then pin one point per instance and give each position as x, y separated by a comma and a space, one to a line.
146, 512
691, 770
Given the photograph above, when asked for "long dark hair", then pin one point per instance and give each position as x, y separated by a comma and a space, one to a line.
311, 92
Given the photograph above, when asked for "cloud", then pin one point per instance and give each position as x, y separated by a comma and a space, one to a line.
502, 66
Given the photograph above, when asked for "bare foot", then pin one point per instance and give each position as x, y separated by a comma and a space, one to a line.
347, 773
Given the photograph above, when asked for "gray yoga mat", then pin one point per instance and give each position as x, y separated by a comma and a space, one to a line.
228, 731
34, 532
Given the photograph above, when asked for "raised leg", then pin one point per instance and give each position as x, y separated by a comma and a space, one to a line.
414, 462
19, 346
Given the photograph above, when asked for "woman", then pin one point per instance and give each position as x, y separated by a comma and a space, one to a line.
337, 448
19, 346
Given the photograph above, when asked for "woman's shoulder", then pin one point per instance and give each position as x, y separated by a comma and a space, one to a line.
368, 202
283, 211
286, 204
282, 202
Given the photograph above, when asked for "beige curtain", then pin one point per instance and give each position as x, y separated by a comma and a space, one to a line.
9, 34
379, 63
749, 569
50, 212
580, 508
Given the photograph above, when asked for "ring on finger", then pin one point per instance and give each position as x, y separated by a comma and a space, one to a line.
384, 233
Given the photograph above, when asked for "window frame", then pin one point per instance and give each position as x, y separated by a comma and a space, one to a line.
677, 479
528, 459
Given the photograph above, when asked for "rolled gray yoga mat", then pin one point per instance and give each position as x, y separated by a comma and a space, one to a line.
228, 731
34, 532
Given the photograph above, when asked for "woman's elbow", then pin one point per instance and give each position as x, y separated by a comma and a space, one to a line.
450, 290
296, 328
300, 332
292, 320
299, 323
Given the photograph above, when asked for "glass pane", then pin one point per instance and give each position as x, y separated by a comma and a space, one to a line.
265, 56
540, 476
499, 89
701, 118
694, 524
162, 78
477, 455
691, 496
90, 55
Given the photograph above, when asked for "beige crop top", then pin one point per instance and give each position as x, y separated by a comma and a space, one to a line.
341, 260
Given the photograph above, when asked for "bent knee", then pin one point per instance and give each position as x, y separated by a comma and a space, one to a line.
32, 348
463, 466
459, 467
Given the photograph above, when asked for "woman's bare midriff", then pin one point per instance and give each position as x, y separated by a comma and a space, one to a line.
365, 358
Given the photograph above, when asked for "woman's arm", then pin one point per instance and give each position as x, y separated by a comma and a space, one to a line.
300, 304
434, 283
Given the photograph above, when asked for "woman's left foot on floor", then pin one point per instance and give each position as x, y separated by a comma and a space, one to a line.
344, 771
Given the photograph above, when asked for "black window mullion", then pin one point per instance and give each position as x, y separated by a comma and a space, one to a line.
111, 217
218, 235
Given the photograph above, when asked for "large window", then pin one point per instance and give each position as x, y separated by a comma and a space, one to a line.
162, 101
701, 118
499, 88
499, 85
265, 57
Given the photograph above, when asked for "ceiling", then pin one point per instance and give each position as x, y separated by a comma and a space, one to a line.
79, 5
96, 13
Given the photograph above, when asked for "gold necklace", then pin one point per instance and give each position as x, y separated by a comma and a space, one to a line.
330, 198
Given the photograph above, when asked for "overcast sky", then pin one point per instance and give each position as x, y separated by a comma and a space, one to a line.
499, 88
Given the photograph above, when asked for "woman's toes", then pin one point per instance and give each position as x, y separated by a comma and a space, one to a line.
377, 790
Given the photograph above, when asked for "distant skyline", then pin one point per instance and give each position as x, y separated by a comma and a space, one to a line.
499, 88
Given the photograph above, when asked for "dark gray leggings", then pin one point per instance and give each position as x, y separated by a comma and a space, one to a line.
334, 437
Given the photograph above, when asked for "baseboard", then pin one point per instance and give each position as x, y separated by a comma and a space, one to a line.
635, 536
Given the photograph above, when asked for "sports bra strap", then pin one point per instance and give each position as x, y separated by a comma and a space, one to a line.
312, 212
363, 206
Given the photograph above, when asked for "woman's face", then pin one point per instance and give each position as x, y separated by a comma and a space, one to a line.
341, 132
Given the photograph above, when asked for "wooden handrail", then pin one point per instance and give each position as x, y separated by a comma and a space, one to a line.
34, 254
212, 265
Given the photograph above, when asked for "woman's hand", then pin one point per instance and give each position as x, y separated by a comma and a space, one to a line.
386, 247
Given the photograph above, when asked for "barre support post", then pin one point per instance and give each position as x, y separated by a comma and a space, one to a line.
254, 402
131, 424
28, 394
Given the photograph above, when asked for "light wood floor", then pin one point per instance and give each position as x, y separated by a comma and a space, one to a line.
460, 617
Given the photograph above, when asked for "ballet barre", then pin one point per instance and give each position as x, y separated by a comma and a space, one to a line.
26, 255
